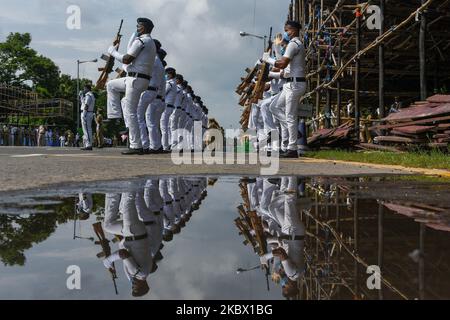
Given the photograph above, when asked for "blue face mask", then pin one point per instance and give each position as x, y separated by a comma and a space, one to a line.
284, 281
283, 51
286, 37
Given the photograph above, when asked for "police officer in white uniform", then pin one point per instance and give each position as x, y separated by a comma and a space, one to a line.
87, 115
293, 64
171, 95
135, 246
178, 112
156, 110
139, 61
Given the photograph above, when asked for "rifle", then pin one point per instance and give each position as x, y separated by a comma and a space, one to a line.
106, 250
263, 75
247, 80
101, 82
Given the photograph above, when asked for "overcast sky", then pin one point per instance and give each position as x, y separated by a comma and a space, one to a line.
201, 37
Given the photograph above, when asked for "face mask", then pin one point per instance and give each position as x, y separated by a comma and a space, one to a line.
284, 281
283, 51
286, 37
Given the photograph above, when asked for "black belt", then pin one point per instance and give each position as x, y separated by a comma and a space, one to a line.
179, 108
145, 236
296, 238
298, 79
152, 88
168, 202
138, 75
160, 97
149, 223
170, 106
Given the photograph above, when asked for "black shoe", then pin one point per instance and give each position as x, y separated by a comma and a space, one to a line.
131, 151
289, 154
146, 151
152, 151
86, 149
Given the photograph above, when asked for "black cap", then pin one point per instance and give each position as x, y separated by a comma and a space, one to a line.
164, 64
171, 70
293, 24
148, 24
179, 77
185, 83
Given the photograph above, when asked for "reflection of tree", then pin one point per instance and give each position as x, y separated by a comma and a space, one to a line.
18, 234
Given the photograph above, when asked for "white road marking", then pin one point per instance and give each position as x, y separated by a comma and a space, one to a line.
28, 155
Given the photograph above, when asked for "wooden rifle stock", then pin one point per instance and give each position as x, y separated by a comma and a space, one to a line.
101, 82
263, 76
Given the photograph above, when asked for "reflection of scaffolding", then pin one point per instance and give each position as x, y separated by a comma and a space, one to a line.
348, 231
17, 102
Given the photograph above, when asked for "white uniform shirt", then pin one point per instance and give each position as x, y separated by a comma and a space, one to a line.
171, 92
296, 52
143, 49
189, 104
157, 74
180, 97
89, 101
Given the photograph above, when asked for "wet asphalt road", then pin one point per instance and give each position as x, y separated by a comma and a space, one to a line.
26, 168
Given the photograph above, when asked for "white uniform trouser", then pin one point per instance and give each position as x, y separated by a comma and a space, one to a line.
286, 110
165, 127
174, 125
86, 123
267, 116
149, 206
147, 98
133, 88
176, 198
153, 118
169, 215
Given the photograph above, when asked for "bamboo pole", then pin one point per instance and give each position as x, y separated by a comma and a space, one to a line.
422, 55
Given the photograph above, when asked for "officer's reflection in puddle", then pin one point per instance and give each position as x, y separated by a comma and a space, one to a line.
145, 217
84, 206
278, 202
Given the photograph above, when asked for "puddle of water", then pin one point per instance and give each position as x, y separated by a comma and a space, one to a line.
228, 238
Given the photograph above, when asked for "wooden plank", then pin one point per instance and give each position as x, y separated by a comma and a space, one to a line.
439, 98
419, 112
398, 125
396, 139
371, 146
415, 129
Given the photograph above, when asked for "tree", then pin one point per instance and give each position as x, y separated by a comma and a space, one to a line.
24, 67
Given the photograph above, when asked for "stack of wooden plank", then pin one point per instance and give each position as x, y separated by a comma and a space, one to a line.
340, 137
425, 124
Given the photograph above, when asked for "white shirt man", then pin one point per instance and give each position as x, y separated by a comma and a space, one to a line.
293, 63
171, 95
139, 60
87, 116
174, 121
148, 125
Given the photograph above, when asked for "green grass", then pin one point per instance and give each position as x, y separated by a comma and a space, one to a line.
427, 160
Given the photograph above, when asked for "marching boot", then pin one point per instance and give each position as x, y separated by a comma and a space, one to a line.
131, 151
289, 154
